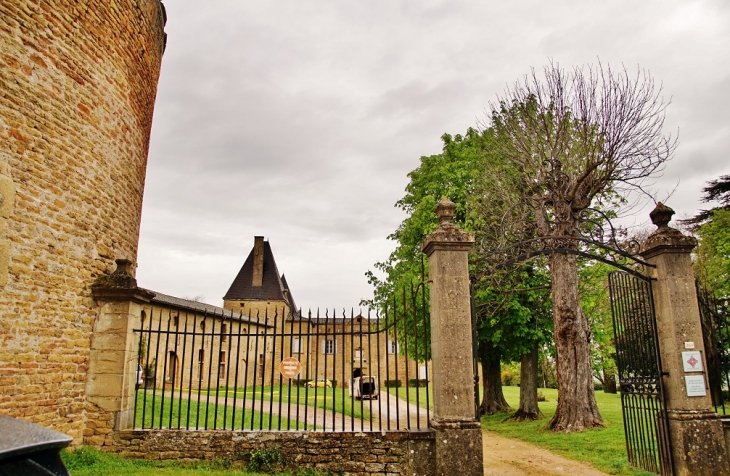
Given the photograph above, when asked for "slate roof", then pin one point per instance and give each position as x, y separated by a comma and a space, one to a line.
200, 307
292, 304
272, 287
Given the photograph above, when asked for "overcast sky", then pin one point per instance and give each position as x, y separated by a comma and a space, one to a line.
299, 121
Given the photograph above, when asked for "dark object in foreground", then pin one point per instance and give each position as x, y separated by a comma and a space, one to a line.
30, 450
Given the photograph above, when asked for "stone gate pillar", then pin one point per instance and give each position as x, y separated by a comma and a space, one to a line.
458, 432
696, 433
113, 359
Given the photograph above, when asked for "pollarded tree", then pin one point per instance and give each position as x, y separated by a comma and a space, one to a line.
577, 137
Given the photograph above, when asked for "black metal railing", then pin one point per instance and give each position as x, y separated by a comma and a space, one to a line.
640, 373
277, 371
716, 339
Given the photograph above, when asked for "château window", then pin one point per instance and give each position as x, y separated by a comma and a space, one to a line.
393, 347
222, 365
296, 345
329, 347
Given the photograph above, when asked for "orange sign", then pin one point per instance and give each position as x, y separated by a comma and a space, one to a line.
290, 367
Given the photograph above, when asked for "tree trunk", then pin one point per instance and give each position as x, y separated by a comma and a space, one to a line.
492, 399
577, 409
529, 409
609, 381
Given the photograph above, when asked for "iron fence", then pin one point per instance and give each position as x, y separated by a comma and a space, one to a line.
716, 338
640, 373
278, 371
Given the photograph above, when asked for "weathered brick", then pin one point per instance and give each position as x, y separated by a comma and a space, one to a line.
75, 118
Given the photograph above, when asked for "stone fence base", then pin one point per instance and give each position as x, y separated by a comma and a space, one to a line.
357, 454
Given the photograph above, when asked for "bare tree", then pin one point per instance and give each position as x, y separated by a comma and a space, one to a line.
575, 139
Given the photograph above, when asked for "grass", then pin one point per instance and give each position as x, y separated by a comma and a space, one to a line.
182, 413
413, 395
173, 412
330, 399
604, 448
87, 461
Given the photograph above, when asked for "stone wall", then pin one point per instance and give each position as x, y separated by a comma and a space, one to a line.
78, 81
391, 453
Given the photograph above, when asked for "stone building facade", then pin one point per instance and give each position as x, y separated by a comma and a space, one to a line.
338, 347
78, 81
192, 344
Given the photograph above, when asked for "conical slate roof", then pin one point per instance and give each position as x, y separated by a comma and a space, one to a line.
272, 287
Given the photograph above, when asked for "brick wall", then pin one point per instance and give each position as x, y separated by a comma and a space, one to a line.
356, 454
78, 82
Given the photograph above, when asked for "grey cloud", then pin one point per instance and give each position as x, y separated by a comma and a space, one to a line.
300, 120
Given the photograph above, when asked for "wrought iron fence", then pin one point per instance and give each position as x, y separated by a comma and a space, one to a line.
716, 337
640, 373
278, 371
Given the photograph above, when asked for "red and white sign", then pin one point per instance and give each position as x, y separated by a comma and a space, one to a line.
692, 361
290, 367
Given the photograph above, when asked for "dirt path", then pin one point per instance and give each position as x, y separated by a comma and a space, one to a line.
509, 457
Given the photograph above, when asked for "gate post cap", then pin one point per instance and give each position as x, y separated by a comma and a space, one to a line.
120, 285
448, 235
661, 215
445, 210
665, 238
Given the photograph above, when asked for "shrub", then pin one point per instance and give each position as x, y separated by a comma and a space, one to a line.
541, 397
266, 461
392, 383
416, 382
510, 374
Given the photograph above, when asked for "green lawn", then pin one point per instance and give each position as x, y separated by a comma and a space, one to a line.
604, 448
173, 412
331, 399
181, 413
413, 395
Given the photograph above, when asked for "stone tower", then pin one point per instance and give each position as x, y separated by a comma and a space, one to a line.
78, 81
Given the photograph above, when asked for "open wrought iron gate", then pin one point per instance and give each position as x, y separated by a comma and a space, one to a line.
640, 373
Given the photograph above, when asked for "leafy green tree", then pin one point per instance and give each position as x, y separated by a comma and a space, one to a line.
447, 174
713, 253
594, 299
712, 265
504, 318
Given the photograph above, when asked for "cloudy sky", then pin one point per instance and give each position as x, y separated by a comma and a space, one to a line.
299, 121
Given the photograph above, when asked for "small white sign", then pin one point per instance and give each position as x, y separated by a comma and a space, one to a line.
692, 361
689, 345
695, 385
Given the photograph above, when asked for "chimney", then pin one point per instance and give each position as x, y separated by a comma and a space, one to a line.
258, 261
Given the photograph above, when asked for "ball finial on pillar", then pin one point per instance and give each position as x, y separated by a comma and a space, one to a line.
445, 210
